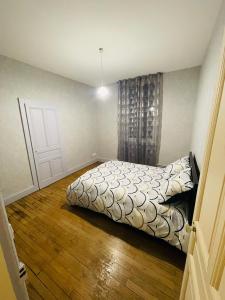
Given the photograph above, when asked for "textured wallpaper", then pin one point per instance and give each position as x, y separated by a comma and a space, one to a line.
76, 113
207, 85
179, 99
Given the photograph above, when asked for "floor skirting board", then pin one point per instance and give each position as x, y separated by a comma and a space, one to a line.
80, 166
16, 196
104, 159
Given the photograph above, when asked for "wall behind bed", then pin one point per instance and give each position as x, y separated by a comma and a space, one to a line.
76, 112
107, 125
179, 99
207, 84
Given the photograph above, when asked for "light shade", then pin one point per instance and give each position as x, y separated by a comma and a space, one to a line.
102, 92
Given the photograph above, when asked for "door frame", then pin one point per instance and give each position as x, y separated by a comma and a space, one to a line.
28, 142
10, 255
206, 159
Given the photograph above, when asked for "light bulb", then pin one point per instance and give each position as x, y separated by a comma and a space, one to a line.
102, 92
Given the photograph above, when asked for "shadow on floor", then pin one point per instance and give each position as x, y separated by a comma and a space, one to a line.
139, 239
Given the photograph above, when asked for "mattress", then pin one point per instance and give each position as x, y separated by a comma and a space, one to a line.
130, 193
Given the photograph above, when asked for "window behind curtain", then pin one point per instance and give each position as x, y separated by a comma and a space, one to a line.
139, 125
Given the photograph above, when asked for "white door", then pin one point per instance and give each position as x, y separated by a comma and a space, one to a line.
204, 276
46, 146
16, 274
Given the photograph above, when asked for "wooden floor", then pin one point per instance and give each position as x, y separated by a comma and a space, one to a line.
78, 254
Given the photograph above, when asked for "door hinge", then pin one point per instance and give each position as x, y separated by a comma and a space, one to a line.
22, 271
190, 228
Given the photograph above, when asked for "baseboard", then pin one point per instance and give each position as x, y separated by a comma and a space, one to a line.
16, 196
79, 167
104, 159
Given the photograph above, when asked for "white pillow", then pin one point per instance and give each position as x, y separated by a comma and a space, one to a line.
177, 166
178, 183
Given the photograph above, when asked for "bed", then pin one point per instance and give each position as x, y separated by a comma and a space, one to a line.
134, 194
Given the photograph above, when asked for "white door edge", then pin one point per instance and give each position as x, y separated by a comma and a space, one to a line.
29, 147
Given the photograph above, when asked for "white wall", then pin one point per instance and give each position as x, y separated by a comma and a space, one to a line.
208, 78
77, 120
87, 125
179, 97
187, 98
107, 116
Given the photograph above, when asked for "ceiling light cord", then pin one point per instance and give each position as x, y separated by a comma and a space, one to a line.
101, 65
102, 90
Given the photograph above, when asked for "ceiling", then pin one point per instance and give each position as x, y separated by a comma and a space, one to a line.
138, 37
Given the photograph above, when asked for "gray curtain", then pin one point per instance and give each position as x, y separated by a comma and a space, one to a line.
139, 125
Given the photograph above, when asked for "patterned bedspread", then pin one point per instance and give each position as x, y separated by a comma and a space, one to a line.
130, 193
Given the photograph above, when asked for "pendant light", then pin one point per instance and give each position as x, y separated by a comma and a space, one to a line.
102, 90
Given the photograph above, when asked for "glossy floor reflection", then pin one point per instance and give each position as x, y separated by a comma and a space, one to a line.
73, 253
